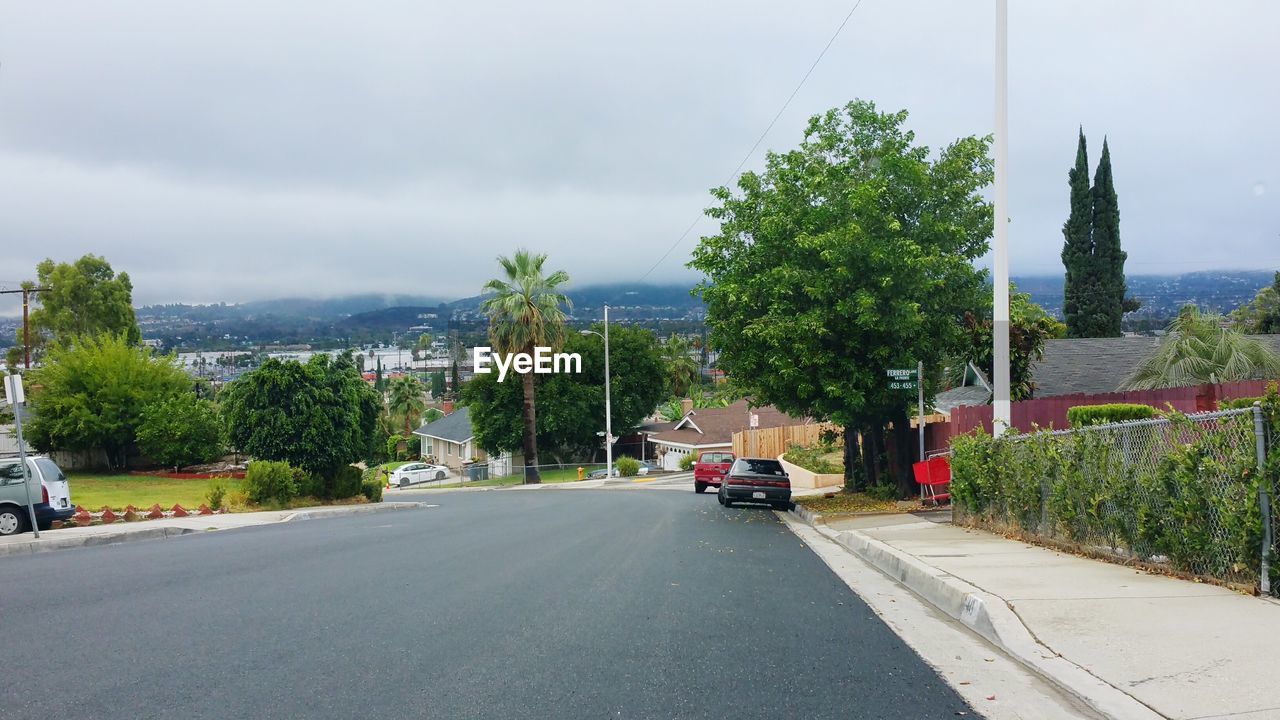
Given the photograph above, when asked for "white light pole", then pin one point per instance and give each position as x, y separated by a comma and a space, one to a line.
14, 394
1001, 409
608, 407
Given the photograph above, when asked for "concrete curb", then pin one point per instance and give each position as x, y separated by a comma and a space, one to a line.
139, 531
987, 615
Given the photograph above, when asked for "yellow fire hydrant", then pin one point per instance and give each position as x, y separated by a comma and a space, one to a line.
581, 474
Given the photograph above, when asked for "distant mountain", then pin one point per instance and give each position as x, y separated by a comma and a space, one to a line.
620, 295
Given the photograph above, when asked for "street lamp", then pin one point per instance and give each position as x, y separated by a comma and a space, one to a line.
608, 408
1002, 417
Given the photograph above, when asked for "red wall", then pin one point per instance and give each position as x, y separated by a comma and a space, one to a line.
1051, 412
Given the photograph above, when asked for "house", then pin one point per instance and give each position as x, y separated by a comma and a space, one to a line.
709, 429
451, 441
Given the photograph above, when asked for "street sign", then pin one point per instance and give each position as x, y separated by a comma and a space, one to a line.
901, 373
13, 389
903, 385
755, 420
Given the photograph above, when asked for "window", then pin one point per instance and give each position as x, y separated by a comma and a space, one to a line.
10, 473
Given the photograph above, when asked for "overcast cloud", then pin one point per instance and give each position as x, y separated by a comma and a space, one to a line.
238, 150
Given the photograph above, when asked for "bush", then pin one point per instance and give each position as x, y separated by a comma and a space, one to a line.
217, 493
813, 459
687, 461
181, 430
371, 489
347, 482
885, 491
1082, 415
268, 481
1239, 403
627, 466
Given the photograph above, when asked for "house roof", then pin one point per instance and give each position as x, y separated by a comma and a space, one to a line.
454, 427
1097, 365
716, 426
948, 400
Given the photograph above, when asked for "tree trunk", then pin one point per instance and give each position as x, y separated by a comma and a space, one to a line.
531, 476
870, 456
852, 456
902, 455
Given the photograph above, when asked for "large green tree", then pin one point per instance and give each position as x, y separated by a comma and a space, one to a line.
91, 394
1198, 349
571, 405
682, 370
79, 299
526, 310
319, 416
407, 399
1077, 249
1094, 301
181, 430
846, 257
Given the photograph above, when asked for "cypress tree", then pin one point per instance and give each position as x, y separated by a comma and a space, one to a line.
1077, 250
1108, 258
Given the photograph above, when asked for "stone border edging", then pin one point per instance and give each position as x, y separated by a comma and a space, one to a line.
986, 614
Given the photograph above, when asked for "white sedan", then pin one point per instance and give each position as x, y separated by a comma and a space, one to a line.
414, 473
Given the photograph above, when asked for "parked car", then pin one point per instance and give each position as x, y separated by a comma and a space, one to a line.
756, 480
710, 469
646, 467
52, 501
414, 473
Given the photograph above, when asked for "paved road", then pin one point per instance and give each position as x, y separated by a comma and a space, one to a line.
550, 604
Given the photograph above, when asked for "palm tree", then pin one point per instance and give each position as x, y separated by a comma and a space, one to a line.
682, 371
406, 399
1198, 350
525, 310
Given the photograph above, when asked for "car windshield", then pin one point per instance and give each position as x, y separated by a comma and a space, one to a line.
754, 466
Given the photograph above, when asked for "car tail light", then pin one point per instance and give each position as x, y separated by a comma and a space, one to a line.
44, 494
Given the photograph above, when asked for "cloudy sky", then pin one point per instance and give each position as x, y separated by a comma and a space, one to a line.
239, 150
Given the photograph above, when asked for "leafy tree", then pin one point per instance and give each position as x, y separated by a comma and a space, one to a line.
82, 298
1029, 327
682, 371
407, 401
438, 384
848, 256
181, 430
1198, 349
1109, 304
455, 381
319, 416
1262, 315
526, 310
571, 406
92, 392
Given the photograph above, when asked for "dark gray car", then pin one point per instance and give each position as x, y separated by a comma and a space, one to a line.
756, 480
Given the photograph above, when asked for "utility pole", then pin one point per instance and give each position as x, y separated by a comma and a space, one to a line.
26, 320
1002, 415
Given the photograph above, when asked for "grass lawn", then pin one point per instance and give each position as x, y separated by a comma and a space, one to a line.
92, 491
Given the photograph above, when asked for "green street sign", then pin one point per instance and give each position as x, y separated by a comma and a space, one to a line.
903, 385
901, 373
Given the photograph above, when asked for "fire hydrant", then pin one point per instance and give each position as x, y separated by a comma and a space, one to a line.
581, 474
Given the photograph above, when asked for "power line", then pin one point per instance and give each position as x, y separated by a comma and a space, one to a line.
760, 139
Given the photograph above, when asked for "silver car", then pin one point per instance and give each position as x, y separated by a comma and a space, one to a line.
50, 494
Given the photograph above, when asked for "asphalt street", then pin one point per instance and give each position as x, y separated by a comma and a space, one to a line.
508, 604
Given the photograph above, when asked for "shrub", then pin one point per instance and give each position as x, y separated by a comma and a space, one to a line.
269, 481
371, 489
813, 459
627, 466
217, 493
687, 461
181, 430
884, 491
1082, 415
1239, 403
347, 482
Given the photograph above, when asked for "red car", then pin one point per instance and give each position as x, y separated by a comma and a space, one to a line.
711, 468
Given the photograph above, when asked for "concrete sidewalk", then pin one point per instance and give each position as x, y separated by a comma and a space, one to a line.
1181, 649
119, 532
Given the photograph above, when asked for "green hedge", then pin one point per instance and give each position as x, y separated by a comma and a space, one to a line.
1082, 415
687, 461
267, 481
1186, 493
627, 466
1237, 403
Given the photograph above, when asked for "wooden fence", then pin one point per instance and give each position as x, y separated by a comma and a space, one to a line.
772, 442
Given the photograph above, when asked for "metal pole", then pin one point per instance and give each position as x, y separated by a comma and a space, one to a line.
1001, 410
22, 459
920, 406
26, 332
1264, 498
608, 407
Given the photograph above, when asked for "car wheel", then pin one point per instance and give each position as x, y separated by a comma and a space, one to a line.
439, 474
12, 521
699, 487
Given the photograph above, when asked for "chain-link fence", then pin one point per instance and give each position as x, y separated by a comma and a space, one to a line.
1186, 492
